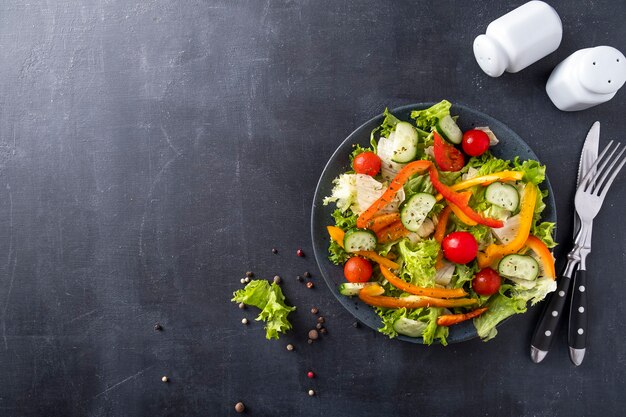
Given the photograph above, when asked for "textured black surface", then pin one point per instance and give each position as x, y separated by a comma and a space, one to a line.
152, 152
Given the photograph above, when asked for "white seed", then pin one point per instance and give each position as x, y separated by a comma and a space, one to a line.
244, 321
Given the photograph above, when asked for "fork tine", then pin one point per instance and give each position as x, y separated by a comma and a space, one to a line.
588, 179
616, 171
603, 173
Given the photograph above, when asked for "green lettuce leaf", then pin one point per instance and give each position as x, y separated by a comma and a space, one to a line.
419, 261
487, 164
433, 331
533, 171
544, 232
271, 301
543, 286
344, 192
337, 254
500, 308
427, 119
418, 184
345, 220
389, 316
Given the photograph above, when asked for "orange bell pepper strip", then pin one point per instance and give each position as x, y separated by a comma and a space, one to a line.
527, 210
396, 184
378, 223
371, 295
336, 234
440, 233
459, 213
450, 319
380, 260
544, 254
413, 289
458, 200
440, 229
392, 232
485, 180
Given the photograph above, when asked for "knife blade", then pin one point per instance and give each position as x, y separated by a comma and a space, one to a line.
587, 157
544, 333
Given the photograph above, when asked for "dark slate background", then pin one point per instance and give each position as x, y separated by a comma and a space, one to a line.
152, 152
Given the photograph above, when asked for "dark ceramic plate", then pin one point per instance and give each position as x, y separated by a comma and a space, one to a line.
510, 146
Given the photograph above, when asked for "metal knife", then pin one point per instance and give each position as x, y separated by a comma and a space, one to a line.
545, 331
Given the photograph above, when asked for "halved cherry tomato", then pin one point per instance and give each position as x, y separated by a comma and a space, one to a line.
447, 157
459, 247
486, 282
367, 163
475, 142
357, 270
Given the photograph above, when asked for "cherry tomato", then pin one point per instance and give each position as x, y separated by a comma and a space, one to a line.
486, 282
367, 163
357, 270
475, 142
459, 247
447, 157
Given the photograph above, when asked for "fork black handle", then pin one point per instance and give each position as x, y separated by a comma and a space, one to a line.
545, 331
578, 313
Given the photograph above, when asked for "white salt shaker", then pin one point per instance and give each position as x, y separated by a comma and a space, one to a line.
519, 38
587, 78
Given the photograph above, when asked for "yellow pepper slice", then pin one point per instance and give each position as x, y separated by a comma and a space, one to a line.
485, 180
527, 210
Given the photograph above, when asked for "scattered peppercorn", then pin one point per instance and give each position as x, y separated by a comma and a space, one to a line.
323, 330
239, 407
321, 319
244, 321
299, 278
274, 251
310, 375
309, 285
356, 324
249, 274
242, 306
276, 279
242, 280
313, 334
246, 280
289, 347
311, 393
300, 253
319, 326
307, 274
158, 327
314, 310
309, 341
165, 379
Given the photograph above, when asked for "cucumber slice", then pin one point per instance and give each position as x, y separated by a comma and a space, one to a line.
503, 195
409, 327
405, 143
449, 129
359, 239
352, 288
519, 267
415, 209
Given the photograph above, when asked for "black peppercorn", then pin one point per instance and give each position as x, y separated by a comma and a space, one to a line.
307, 274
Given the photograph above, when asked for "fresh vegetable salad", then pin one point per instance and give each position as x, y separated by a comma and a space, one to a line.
432, 230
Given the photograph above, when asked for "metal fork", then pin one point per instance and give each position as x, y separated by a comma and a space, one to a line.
588, 200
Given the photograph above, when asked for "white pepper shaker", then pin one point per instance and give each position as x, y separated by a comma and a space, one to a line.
587, 78
519, 38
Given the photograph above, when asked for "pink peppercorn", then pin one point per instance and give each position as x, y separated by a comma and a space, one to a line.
310, 374
299, 252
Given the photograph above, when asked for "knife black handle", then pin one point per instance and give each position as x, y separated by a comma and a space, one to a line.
546, 328
578, 312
